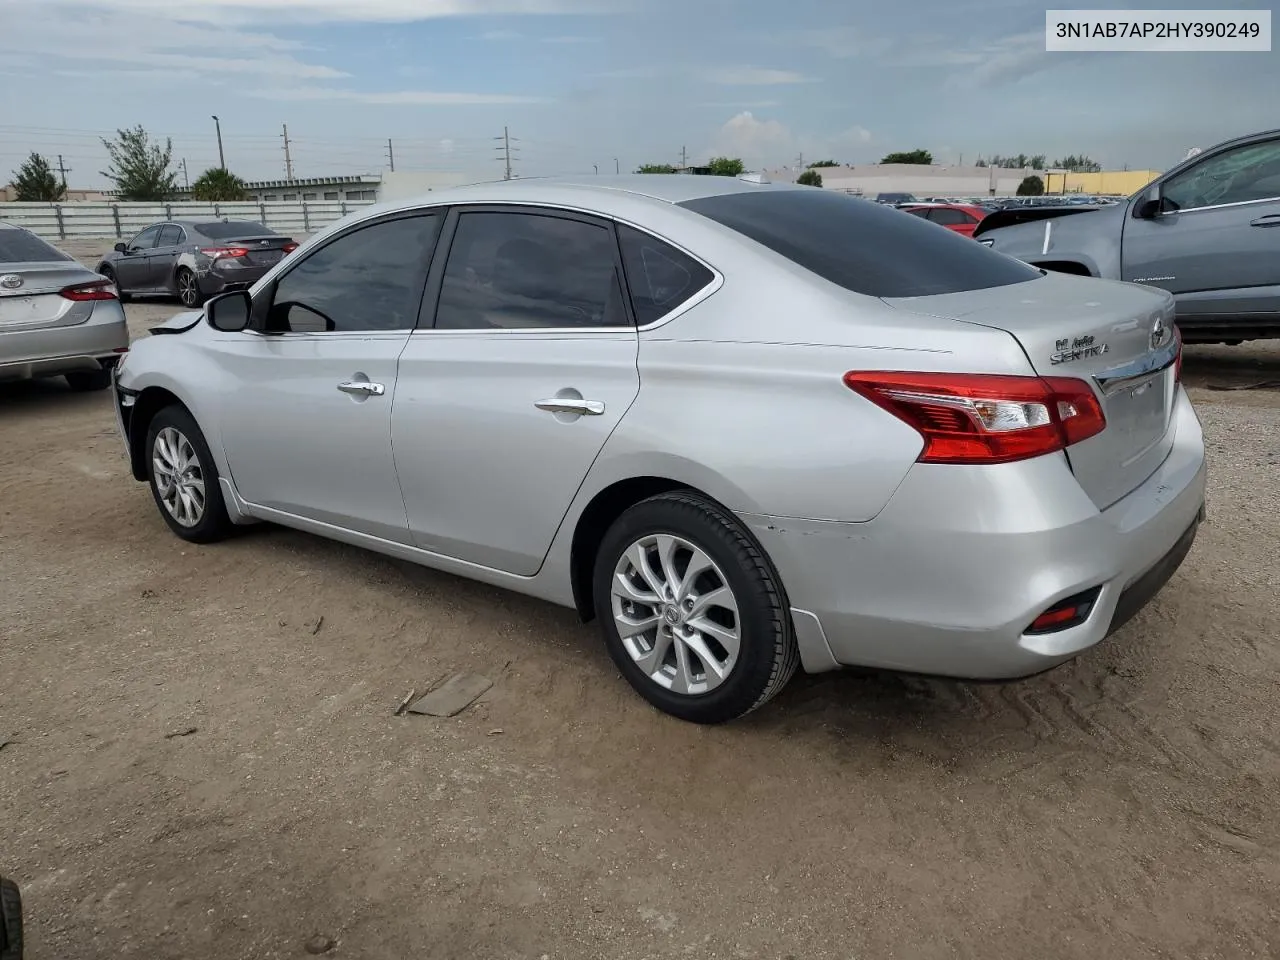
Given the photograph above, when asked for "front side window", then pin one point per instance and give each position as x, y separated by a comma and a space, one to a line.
367, 280
660, 277
864, 247
526, 271
146, 239
1235, 176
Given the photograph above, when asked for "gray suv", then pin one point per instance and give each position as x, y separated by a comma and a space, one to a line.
1208, 231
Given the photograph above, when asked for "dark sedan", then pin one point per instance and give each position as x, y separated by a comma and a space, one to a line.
194, 259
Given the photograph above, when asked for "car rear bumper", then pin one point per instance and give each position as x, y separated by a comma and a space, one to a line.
51, 351
949, 576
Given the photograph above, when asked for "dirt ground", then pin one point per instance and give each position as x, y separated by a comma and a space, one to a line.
203, 759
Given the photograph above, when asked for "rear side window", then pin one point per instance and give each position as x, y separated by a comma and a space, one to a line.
661, 278
949, 217
863, 247
19, 246
225, 230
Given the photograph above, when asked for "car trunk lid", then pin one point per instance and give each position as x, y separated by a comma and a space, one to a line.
1117, 337
262, 250
30, 294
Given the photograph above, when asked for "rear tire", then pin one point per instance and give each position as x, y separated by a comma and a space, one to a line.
86, 381
10, 921
184, 478
718, 644
188, 288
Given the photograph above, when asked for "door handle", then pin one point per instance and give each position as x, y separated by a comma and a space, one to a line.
1270, 220
590, 408
362, 388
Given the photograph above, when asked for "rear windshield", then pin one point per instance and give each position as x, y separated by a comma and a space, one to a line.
221, 230
18, 246
864, 247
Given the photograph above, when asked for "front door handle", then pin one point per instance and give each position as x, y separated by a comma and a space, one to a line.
362, 388
590, 408
1270, 220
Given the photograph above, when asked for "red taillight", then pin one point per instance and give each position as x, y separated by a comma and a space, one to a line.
985, 418
219, 253
289, 248
1177, 363
97, 290
1070, 612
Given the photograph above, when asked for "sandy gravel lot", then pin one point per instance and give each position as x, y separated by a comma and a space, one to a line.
1122, 806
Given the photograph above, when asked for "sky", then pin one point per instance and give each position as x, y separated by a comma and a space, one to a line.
586, 85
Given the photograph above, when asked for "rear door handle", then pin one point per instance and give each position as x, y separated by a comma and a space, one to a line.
1270, 220
362, 388
590, 408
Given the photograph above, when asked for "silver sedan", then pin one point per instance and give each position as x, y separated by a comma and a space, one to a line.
57, 318
748, 427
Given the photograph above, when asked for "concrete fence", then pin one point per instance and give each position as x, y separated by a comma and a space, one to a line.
65, 221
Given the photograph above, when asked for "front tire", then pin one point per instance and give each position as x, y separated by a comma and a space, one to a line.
692, 612
184, 479
188, 289
10, 921
86, 381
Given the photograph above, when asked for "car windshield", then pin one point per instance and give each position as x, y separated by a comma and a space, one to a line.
864, 247
225, 229
19, 246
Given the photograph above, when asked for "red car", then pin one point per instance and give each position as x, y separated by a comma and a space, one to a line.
960, 217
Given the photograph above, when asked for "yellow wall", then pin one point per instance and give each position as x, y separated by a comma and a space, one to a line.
1113, 182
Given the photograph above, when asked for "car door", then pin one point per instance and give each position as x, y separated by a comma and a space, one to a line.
1216, 243
307, 391
132, 266
525, 364
163, 257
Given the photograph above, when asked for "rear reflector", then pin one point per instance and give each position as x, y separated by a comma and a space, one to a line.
985, 418
97, 290
1067, 613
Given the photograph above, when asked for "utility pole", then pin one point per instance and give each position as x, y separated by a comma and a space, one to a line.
506, 150
222, 160
684, 159
186, 181
616, 168
391, 155
64, 170
800, 160
288, 160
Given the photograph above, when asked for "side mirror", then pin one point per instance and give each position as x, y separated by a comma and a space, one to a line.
229, 312
1153, 205
121, 247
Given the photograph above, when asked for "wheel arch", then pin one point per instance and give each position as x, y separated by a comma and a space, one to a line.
148, 403
1074, 267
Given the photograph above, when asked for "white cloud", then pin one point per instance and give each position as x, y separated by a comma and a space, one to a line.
752, 76
570, 39
391, 97
765, 143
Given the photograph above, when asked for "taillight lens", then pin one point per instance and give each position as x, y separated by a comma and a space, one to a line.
289, 248
219, 253
1177, 363
97, 290
985, 418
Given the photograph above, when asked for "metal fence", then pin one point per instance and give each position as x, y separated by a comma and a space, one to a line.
63, 221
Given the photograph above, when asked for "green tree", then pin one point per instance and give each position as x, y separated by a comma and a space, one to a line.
909, 156
138, 167
1081, 164
34, 181
823, 163
810, 178
1019, 162
726, 167
1031, 186
217, 184
655, 168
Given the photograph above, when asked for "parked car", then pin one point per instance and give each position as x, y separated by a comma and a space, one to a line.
194, 259
1208, 231
57, 318
893, 199
745, 426
958, 217
10, 920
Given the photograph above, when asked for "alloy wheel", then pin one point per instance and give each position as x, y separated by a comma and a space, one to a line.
676, 614
188, 293
179, 478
